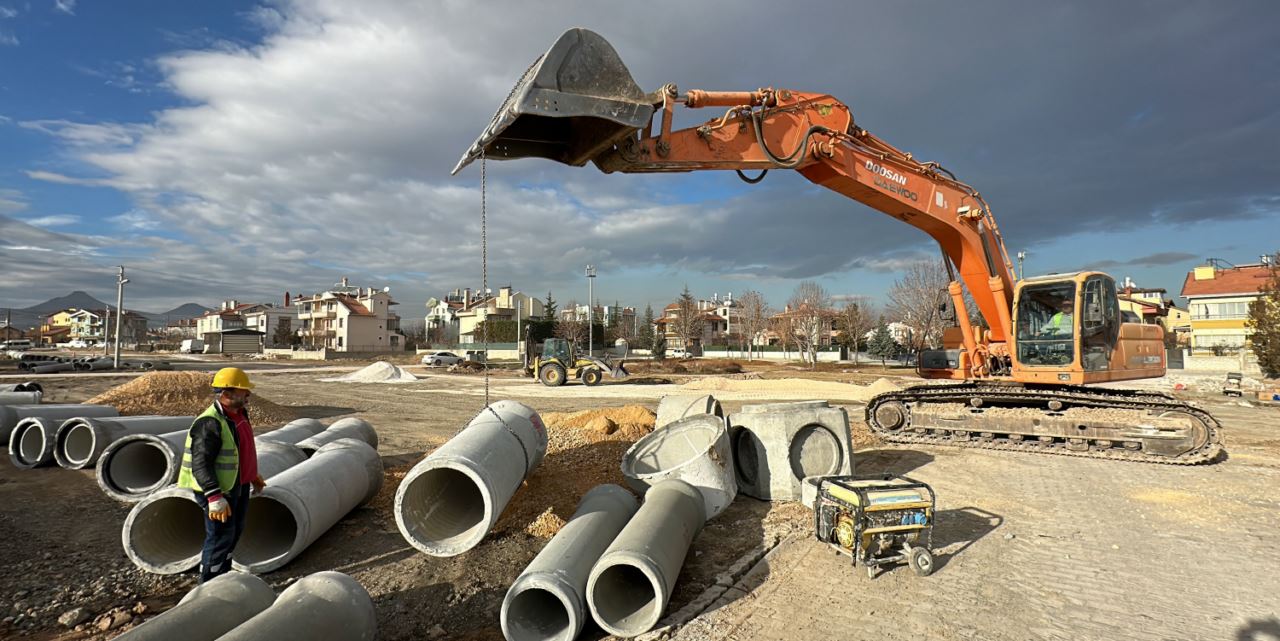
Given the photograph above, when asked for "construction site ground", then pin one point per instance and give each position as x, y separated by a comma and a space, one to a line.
1028, 546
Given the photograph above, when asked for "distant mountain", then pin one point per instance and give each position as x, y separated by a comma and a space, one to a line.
76, 299
190, 310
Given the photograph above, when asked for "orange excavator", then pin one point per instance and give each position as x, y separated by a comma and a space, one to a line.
1017, 383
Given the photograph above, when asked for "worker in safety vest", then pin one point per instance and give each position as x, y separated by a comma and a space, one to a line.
1060, 323
220, 464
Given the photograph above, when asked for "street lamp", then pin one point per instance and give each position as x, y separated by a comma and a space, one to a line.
1021, 274
591, 309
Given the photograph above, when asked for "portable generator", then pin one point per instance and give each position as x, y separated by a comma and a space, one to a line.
877, 520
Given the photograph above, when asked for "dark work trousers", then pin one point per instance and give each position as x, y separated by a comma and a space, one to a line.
221, 538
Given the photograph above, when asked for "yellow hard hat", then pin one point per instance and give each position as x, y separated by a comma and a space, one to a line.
231, 377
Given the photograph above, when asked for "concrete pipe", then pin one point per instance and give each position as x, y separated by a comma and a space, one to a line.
294, 431
632, 582
53, 368
694, 449
449, 501
82, 440
356, 428
675, 407
21, 398
548, 600
306, 500
100, 364
11, 414
135, 466
209, 611
164, 532
325, 605
777, 445
139, 464
29, 386
32, 443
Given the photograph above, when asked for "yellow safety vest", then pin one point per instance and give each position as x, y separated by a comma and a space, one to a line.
226, 464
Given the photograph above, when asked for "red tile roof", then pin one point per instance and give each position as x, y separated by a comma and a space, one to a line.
1238, 280
353, 305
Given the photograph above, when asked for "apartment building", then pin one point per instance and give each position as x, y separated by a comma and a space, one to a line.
721, 319
1152, 307
1218, 296
94, 326
349, 319
506, 305
269, 319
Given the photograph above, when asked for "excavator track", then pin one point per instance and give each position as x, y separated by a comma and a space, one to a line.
1137, 426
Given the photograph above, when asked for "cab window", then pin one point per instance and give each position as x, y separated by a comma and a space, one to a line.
1046, 324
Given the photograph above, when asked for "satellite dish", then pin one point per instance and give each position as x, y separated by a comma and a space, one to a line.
387, 288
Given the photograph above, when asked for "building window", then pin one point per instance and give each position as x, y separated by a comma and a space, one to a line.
339, 341
339, 323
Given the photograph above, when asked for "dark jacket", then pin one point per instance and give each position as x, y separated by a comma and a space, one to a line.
206, 442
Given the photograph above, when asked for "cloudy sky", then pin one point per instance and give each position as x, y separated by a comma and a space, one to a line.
241, 149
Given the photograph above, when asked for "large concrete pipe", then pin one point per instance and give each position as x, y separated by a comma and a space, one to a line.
11, 414
81, 440
777, 445
209, 611
164, 532
135, 466
632, 582
100, 364
674, 407
325, 605
694, 449
304, 501
449, 500
32, 443
21, 398
350, 427
548, 601
53, 368
29, 386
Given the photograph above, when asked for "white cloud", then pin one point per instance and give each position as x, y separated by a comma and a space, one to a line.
63, 179
85, 134
7, 12
135, 220
9, 40
12, 200
65, 6
56, 220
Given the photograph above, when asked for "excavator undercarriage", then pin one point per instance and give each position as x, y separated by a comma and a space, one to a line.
1119, 424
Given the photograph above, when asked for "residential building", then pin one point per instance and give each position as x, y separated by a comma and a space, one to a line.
56, 328
8, 333
720, 319
181, 328
268, 319
827, 332
229, 320
507, 305
95, 326
1152, 307
350, 319
1218, 296
442, 316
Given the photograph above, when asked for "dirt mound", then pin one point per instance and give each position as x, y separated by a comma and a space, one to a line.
579, 457
815, 389
715, 366
182, 394
379, 372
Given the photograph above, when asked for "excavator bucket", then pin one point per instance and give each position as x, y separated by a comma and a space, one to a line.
575, 102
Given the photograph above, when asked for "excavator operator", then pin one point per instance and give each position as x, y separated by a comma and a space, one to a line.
1060, 323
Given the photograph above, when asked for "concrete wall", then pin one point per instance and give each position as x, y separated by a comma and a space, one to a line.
1244, 362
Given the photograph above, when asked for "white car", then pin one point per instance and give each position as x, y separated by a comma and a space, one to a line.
440, 359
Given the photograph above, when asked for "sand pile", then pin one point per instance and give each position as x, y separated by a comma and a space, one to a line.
581, 454
182, 394
379, 372
815, 389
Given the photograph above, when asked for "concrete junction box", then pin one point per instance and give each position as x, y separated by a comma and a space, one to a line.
694, 449
776, 445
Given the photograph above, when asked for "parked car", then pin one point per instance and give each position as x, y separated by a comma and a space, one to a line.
17, 343
680, 353
79, 343
192, 346
440, 359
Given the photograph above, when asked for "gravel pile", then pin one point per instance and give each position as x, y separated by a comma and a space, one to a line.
182, 394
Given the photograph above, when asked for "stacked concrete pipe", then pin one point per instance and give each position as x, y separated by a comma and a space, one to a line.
777, 445
355, 428
548, 600
135, 466
304, 501
53, 368
29, 386
451, 499
81, 440
164, 532
694, 449
631, 584
21, 398
32, 443
673, 407
209, 611
11, 414
325, 605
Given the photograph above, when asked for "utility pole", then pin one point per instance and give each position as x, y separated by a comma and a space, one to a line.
591, 309
120, 281
1021, 274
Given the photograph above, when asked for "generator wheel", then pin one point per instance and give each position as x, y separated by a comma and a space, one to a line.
921, 561
551, 375
592, 377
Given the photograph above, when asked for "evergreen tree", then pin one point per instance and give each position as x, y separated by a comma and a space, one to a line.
644, 337
882, 344
659, 349
549, 308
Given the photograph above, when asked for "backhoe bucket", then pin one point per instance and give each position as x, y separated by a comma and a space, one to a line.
575, 102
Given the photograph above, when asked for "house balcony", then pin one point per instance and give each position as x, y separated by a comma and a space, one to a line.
317, 332
318, 314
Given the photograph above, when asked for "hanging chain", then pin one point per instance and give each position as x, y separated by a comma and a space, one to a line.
484, 269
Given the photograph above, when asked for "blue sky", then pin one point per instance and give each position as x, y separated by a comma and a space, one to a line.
241, 149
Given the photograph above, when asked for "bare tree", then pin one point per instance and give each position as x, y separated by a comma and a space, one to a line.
574, 331
754, 318
688, 320
811, 315
914, 300
781, 325
855, 319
